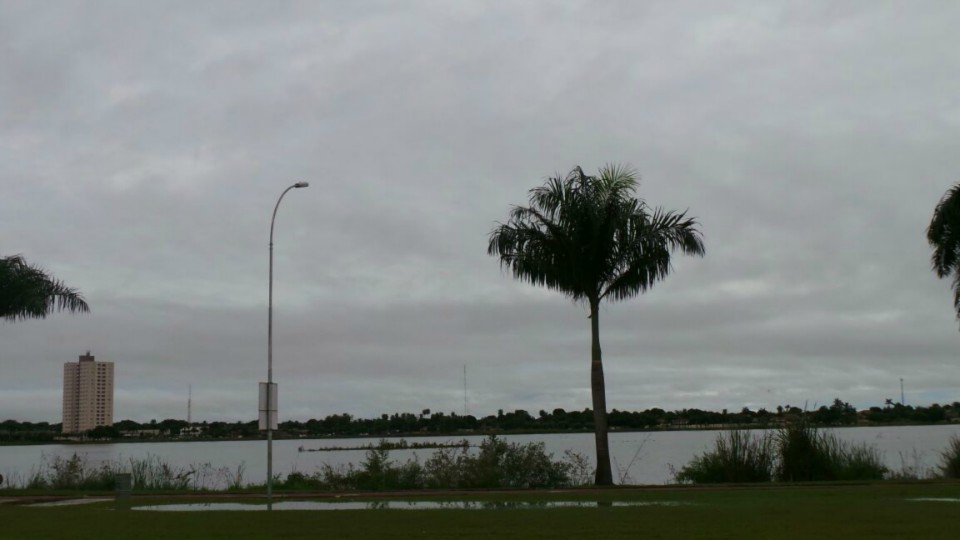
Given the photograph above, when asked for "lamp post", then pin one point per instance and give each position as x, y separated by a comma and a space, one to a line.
268, 395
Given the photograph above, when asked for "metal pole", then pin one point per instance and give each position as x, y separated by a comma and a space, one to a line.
270, 353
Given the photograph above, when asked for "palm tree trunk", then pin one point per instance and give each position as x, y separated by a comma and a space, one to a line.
604, 476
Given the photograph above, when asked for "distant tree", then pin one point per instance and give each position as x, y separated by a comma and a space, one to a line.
843, 412
933, 413
943, 234
172, 426
589, 238
127, 425
28, 292
104, 432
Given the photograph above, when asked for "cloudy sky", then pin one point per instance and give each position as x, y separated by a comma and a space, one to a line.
144, 144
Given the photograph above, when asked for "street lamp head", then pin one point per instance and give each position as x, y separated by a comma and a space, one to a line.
301, 184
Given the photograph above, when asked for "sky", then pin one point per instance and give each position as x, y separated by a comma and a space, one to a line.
143, 146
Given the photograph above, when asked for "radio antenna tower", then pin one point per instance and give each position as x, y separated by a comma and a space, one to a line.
189, 402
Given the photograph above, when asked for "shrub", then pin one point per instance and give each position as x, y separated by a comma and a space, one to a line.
737, 456
580, 471
377, 472
496, 464
336, 479
519, 466
297, 481
443, 469
950, 459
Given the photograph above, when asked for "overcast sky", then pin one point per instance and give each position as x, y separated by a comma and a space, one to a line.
144, 144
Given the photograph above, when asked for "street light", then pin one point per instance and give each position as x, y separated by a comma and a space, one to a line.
268, 391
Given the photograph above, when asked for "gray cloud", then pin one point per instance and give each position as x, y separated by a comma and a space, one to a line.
145, 145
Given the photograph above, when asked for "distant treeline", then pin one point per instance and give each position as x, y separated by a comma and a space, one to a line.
839, 413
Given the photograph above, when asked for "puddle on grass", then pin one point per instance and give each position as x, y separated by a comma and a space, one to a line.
398, 505
936, 499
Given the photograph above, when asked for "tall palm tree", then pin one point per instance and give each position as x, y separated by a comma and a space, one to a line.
943, 234
28, 292
589, 238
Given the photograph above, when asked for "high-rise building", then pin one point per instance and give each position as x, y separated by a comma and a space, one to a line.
87, 394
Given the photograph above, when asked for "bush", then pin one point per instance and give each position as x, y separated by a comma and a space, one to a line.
502, 464
497, 464
580, 470
378, 472
737, 456
950, 459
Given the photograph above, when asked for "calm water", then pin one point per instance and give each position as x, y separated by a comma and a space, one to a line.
645, 457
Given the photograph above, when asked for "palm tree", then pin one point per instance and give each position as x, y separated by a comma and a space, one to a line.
589, 238
944, 236
28, 292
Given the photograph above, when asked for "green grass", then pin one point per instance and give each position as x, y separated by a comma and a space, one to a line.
868, 511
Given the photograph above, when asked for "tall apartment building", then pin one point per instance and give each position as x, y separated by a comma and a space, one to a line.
87, 394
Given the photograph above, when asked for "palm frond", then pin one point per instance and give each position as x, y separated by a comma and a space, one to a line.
28, 292
644, 250
943, 234
619, 181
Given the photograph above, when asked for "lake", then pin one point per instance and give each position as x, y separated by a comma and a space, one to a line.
638, 457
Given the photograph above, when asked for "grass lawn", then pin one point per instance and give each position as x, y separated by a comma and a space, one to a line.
880, 510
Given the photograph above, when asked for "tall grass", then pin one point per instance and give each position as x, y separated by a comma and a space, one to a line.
808, 454
737, 456
796, 453
950, 459
147, 474
152, 474
70, 473
912, 467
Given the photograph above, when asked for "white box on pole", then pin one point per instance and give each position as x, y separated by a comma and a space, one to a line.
268, 408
